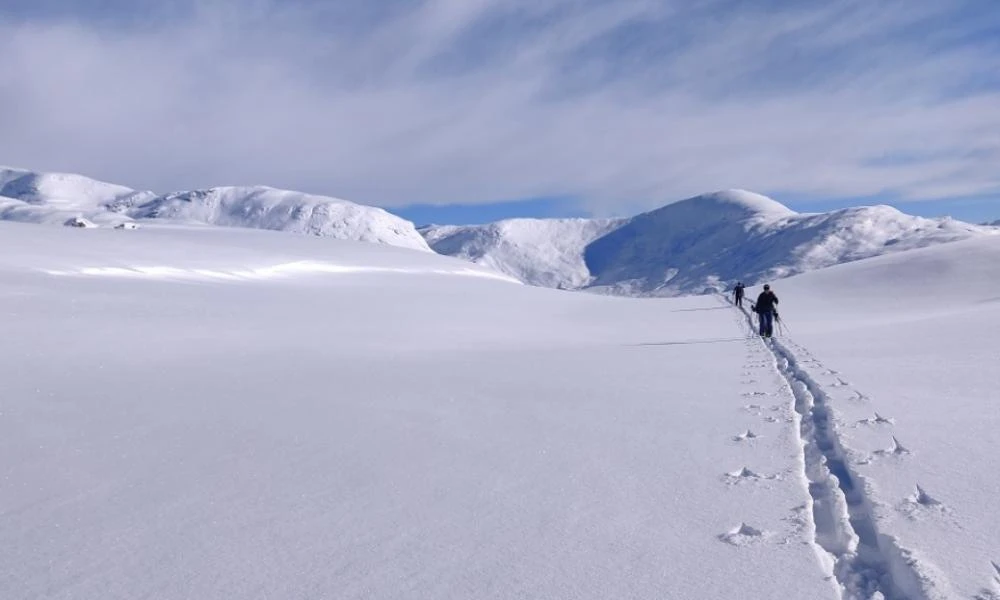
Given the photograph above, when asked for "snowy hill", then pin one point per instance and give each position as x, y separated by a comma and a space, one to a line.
280, 210
697, 245
57, 198
898, 352
700, 244
59, 190
542, 252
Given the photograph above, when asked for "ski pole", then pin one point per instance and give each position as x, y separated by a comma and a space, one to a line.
781, 326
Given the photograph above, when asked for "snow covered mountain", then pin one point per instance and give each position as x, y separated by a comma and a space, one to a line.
697, 245
543, 252
59, 198
55, 198
280, 210
700, 244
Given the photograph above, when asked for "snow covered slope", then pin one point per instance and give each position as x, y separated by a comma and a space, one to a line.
280, 210
899, 356
714, 240
56, 198
220, 413
700, 244
59, 190
213, 413
543, 252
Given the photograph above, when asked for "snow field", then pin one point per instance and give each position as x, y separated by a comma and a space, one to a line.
373, 422
381, 435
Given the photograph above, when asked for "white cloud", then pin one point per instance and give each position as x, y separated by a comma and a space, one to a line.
627, 104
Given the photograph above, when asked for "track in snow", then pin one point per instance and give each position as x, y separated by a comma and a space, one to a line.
866, 563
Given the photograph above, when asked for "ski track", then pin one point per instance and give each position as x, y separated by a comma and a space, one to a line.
866, 564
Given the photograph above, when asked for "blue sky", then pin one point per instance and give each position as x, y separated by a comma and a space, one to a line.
470, 110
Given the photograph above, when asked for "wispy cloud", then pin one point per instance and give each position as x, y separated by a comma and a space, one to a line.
625, 104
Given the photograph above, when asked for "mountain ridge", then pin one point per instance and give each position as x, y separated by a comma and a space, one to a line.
700, 244
57, 198
706, 243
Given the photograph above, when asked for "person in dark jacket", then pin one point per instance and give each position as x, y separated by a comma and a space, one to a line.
766, 308
738, 292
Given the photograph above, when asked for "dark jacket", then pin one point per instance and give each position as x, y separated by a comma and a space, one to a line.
738, 291
766, 302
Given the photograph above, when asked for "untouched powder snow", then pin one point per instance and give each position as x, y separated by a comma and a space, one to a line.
395, 431
702, 244
55, 198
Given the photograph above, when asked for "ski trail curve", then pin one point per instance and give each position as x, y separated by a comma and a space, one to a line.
866, 563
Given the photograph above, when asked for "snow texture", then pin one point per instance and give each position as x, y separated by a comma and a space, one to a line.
177, 421
192, 412
56, 198
893, 361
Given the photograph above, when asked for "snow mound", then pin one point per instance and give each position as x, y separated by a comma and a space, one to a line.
281, 210
54, 198
969, 271
542, 252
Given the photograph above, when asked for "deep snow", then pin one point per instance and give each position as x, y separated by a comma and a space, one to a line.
191, 412
182, 419
903, 348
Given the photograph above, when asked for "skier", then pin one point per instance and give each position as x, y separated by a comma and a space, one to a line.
766, 308
738, 293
